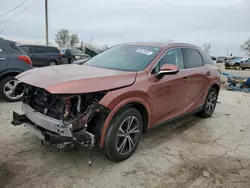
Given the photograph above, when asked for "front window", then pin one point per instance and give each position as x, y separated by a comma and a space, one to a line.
125, 57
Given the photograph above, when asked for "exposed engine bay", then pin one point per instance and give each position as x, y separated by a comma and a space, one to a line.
62, 120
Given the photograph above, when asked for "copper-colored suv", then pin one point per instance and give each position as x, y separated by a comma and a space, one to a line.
113, 98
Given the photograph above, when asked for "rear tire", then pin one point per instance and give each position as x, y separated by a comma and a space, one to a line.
52, 63
121, 139
210, 104
6, 89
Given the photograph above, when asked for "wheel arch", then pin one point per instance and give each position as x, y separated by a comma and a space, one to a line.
217, 87
136, 103
9, 73
52, 60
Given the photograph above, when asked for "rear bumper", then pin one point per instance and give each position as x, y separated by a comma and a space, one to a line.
52, 131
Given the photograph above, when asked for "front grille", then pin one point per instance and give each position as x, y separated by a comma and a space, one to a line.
44, 102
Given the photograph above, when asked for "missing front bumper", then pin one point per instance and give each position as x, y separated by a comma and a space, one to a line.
50, 130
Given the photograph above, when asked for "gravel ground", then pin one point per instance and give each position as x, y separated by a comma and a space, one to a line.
191, 153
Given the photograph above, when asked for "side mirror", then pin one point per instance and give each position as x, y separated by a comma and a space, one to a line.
167, 69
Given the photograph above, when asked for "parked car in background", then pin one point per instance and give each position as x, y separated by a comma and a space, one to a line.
12, 62
245, 64
233, 63
221, 59
42, 55
214, 59
72, 54
114, 97
80, 61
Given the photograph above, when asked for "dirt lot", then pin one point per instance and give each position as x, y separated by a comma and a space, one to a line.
213, 152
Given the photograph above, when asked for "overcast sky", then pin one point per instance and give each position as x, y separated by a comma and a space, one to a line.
223, 23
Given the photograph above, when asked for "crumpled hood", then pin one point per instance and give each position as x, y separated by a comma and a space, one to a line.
74, 79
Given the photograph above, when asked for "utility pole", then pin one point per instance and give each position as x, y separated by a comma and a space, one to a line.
46, 22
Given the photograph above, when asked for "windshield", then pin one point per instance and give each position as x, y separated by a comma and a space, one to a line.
125, 57
75, 51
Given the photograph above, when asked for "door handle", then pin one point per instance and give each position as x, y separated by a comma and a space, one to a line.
184, 79
208, 73
2, 58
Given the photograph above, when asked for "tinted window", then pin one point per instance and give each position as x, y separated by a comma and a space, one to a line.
206, 58
51, 50
125, 57
213, 58
25, 49
75, 51
174, 57
36, 49
193, 58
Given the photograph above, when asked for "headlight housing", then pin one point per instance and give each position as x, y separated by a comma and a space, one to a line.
77, 57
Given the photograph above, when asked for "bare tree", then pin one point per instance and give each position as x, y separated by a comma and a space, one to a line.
246, 47
74, 40
207, 47
62, 38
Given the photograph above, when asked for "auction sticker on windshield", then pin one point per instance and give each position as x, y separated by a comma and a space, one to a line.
144, 52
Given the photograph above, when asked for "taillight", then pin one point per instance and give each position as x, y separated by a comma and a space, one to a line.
25, 58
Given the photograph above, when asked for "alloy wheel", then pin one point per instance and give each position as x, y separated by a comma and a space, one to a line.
211, 102
9, 89
52, 63
127, 135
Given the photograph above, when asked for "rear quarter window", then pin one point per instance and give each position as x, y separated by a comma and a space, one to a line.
206, 58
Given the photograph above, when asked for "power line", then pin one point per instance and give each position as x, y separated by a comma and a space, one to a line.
20, 11
14, 8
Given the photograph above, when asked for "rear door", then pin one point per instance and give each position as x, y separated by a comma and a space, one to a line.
38, 56
168, 93
197, 79
53, 54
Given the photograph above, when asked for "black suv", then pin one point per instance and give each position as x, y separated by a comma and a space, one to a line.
12, 62
72, 54
42, 55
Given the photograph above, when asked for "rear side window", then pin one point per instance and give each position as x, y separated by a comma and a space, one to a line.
206, 58
193, 58
33, 49
51, 50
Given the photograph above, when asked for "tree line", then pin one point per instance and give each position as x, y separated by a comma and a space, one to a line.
66, 39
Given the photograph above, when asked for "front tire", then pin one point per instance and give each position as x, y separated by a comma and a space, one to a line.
237, 67
210, 104
123, 135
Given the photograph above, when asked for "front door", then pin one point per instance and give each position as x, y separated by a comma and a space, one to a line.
197, 79
168, 93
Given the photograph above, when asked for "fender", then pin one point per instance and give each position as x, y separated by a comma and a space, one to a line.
115, 110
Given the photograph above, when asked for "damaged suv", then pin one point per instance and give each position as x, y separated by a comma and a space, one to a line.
114, 97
